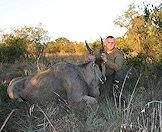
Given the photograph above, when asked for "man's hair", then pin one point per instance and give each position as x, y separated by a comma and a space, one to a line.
109, 37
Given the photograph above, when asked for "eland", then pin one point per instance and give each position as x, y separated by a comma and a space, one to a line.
64, 80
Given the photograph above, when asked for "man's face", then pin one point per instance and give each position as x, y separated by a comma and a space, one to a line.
109, 44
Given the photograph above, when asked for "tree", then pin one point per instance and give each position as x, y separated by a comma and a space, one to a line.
52, 47
124, 20
36, 39
96, 44
65, 45
79, 47
12, 48
143, 37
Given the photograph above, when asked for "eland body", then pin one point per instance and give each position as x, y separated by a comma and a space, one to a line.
64, 80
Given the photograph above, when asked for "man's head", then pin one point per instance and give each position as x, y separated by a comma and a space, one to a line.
109, 44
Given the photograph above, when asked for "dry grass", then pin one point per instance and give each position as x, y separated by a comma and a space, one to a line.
139, 112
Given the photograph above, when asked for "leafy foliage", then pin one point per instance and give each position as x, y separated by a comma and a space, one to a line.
12, 48
142, 41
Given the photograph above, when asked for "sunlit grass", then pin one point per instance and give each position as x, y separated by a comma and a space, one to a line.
140, 111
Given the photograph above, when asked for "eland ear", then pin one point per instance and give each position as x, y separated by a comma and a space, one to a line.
89, 49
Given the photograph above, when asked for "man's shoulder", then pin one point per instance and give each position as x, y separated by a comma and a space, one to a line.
118, 52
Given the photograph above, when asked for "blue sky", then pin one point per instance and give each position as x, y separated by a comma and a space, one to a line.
75, 19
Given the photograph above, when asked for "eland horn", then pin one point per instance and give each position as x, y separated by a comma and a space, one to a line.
89, 49
102, 45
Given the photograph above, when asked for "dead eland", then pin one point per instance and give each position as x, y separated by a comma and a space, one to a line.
64, 80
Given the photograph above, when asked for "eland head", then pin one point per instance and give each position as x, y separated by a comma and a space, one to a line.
96, 72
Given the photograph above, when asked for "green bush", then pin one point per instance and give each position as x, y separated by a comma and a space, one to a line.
12, 49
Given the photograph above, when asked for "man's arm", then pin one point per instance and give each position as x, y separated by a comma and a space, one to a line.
119, 60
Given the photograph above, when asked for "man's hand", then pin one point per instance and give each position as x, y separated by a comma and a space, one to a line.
103, 56
91, 57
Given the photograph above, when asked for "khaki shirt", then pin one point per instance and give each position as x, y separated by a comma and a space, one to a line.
114, 62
